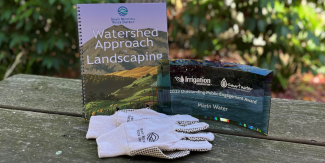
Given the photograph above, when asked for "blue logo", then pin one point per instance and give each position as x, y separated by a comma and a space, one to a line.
122, 11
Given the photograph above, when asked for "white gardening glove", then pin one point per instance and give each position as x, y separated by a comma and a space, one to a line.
101, 124
152, 137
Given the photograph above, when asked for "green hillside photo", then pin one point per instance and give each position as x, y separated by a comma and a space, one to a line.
110, 90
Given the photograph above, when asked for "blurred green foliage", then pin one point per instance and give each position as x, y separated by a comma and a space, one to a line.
286, 36
45, 32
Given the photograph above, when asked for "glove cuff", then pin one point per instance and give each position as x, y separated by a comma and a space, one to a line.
113, 143
99, 125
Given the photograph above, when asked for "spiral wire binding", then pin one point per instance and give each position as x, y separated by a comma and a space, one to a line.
81, 63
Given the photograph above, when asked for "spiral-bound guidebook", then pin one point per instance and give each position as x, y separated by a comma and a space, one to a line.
120, 45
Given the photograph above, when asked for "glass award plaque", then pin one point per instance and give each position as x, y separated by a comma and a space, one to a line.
217, 91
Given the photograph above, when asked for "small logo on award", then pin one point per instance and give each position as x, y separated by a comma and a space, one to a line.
152, 137
122, 11
180, 79
223, 83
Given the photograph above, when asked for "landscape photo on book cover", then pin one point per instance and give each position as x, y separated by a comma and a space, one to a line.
110, 83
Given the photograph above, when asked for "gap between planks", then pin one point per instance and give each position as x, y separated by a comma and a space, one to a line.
308, 142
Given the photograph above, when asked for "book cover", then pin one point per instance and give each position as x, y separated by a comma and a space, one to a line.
218, 91
120, 45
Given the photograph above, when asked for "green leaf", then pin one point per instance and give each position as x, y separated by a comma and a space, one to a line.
174, 32
284, 31
47, 62
45, 46
3, 38
314, 38
13, 20
27, 13
263, 3
194, 42
28, 26
69, 13
282, 80
215, 42
51, 42
19, 24
24, 38
196, 21
74, 15
274, 60
39, 46
250, 24
279, 6
56, 64
321, 58
217, 29
304, 69
60, 44
296, 28
30, 63
51, 2
36, 15
13, 42
321, 70
4, 68
21, 8
210, 25
67, 7
203, 21
186, 19
309, 89
220, 27
261, 24
6, 14
270, 4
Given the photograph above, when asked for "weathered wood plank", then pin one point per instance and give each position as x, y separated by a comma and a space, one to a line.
290, 119
42, 93
297, 119
38, 137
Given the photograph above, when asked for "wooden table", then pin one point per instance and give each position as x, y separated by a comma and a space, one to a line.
40, 123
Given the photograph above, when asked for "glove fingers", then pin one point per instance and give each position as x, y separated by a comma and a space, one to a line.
156, 152
199, 136
190, 145
193, 127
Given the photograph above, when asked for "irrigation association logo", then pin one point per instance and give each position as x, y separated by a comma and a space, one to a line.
179, 79
122, 11
196, 81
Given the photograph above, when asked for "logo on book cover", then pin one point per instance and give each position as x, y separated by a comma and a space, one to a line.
122, 11
196, 81
239, 87
152, 137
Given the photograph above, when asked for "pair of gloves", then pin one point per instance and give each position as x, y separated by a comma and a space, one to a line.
146, 132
